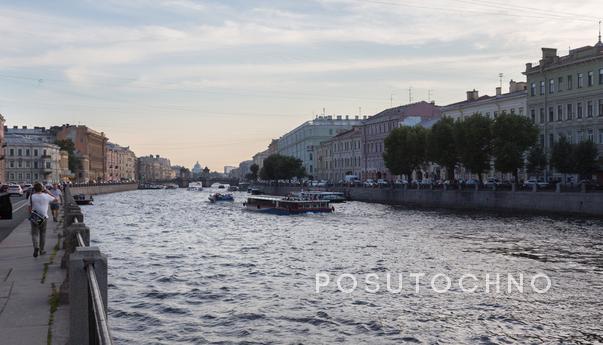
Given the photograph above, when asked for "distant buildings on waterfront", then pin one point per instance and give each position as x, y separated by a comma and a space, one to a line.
563, 95
153, 168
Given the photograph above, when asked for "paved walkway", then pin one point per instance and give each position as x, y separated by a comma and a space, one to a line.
25, 290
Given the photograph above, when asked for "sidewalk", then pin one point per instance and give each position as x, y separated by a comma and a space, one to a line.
25, 289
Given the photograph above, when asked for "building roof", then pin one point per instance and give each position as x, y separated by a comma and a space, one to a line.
15, 140
422, 108
578, 55
484, 99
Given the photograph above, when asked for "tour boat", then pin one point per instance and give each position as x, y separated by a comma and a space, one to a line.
195, 186
220, 197
286, 205
333, 197
83, 199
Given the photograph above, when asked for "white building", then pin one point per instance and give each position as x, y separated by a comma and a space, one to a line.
513, 102
29, 160
303, 141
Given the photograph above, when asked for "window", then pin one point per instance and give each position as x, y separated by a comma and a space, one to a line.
580, 136
579, 110
559, 113
533, 89
513, 111
48, 163
495, 114
11, 152
600, 76
591, 78
580, 80
570, 82
552, 86
591, 136
589, 109
551, 114
19, 152
570, 111
520, 110
541, 115
551, 140
600, 136
20, 165
35, 152
542, 140
533, 115
27, 152
11, 164
601, 108
559, 84
12, 176
542, 88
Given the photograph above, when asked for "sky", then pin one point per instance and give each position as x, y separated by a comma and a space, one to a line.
214, 81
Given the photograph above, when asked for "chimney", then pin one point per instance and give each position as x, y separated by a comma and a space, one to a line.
498, 90
528, 66
549, 56
472, 95
356, 117
347, 117
15, 127
24, 127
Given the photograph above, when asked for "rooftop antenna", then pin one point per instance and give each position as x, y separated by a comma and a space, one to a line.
359, 111
323, 111
600, 32
500, 77
391, 99
410, 94
429, 94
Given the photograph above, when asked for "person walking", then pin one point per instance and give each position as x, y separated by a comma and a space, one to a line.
55, 205
38, 207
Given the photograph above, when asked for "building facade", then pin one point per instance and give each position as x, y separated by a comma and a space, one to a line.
340, 156
2, 153
154, 169
90, 146
565, 95
120, 163
29, 161
303, 141
512, 102
376, 128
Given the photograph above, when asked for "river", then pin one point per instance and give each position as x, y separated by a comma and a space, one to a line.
184, 271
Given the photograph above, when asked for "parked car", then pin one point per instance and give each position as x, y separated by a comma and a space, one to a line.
401, 182
426, 181
492, 181
531, 182
15, 189
369, 183
382, 183
472, 182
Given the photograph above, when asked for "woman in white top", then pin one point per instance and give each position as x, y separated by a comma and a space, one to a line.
39, 202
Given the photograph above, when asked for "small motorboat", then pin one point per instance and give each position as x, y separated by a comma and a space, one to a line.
287, 205
83, 199
215, 197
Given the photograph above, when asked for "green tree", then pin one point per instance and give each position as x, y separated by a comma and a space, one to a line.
74, 161
512, 136
253, 175
405, 150
562, 157
279, 167
473, 139
441, 148
536, 160
585, 159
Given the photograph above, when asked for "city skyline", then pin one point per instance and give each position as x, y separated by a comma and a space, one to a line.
200, 80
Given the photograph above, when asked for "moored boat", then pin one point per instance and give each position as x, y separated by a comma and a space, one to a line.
195, 186
286, 205
233, 189
83, 199
220, 197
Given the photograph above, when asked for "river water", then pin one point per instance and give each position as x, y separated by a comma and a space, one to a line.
184, 271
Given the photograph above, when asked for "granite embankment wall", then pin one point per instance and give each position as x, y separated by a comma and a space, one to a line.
95, 189
566, 203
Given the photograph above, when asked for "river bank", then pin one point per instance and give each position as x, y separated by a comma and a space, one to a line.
566, 203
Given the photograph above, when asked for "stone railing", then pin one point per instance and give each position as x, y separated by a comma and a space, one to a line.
86, 285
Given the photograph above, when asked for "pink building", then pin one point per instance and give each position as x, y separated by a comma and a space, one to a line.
376, 128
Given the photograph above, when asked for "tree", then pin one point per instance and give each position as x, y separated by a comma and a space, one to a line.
473, 139
585, 159
562, 154
441, 148
536, 160
512, 136
279, 167
405, 150
253, 175
74, 161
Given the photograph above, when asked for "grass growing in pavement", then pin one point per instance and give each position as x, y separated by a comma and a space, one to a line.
55, 249
54, 304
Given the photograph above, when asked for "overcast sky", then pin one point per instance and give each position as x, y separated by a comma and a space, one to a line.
214, 81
